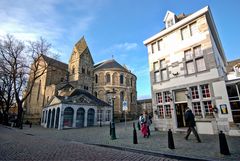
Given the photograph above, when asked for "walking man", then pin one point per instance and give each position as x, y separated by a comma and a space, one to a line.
190, 122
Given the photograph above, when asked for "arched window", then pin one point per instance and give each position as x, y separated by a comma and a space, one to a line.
57, 117
121, 79
80, 117
91, 116
68, 117
96, 78
108, 78
52, 119
73, 70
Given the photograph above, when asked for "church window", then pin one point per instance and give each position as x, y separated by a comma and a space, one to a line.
73, 70
96, 78
108, 79
121, 79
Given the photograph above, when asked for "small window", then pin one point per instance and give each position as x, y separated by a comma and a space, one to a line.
167, 96
159, 98
108, 79
164, 74
197, 108
190, 67
157, 76
153, 45
170, 22
163, 63
95, 94
200, 64
188, 54
193, 29
208, 107
96, 78
73, 70
155, 66
160, 45
205, 91
168, 111
195, 94
184, 33
197, 51
161, 113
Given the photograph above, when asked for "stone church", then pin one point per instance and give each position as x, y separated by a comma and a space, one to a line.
62, 79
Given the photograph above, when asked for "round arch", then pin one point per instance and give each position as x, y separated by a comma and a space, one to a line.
68, 117
90, 117
80, 117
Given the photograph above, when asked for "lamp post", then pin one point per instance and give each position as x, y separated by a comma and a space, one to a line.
112, 96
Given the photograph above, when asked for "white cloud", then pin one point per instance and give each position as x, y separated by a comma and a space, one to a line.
51, 19
126, 46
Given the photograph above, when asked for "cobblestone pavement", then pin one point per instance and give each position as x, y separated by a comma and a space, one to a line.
157, 143
15, 145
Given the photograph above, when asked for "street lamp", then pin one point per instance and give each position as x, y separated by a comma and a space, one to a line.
112, 96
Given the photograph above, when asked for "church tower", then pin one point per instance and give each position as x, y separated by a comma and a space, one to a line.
81, 66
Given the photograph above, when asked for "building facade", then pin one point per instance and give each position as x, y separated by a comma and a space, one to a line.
80, 73
145, 105
188, 69
109, 75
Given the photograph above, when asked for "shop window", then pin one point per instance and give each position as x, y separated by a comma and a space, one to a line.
197, 108
167, 111
208, 107
195, 94
159, 98
205, 91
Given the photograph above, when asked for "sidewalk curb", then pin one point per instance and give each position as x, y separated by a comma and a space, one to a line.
149, 153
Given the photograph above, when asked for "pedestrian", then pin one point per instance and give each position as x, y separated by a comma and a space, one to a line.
143, 124
190, 122
149, 122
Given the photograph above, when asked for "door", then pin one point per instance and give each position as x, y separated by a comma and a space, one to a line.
180, 110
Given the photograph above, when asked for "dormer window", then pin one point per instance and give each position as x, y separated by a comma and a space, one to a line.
170, 23
169, 19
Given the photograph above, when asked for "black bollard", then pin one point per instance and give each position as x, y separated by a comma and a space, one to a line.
110, 129
139, 128
170, 140
223, 144
30, 125
135, 141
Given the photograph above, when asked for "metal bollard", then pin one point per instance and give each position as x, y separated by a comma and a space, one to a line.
110, 128
223, 144
170, 140
139, 128
135, 141
30, 125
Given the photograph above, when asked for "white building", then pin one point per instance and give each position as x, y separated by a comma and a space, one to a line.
188, 69
76, 110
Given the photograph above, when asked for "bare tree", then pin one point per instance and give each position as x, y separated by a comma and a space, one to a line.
26, 65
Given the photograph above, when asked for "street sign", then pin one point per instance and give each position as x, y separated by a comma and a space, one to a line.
125, 106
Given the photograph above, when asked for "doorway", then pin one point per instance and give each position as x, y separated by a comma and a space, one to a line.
180, 110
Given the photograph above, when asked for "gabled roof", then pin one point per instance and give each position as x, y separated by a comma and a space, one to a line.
55, 63
109, 64
79, 96
167, 14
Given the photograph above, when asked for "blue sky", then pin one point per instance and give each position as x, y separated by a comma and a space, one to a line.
112, 27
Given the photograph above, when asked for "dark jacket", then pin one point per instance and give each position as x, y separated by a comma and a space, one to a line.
189, 118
